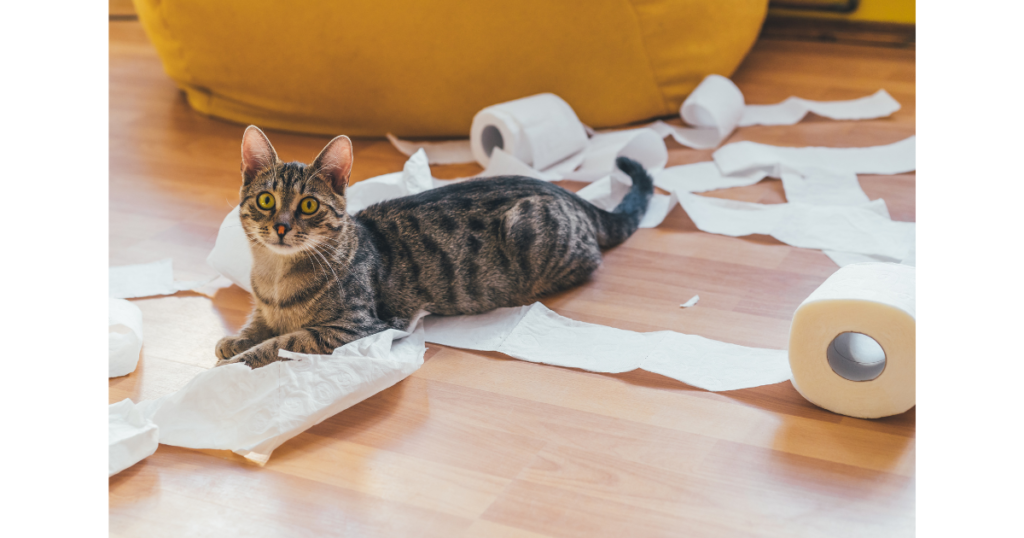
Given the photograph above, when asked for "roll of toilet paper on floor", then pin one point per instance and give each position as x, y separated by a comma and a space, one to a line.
125, 337
540, 130
852, 345
713, 109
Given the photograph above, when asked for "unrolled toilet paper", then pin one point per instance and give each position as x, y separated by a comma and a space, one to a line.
852, 345
877, 105
542, 130
746, 157
863, 229
716, 107
534, 333
148, 279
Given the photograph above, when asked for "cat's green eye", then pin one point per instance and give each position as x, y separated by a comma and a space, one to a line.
265, 200
309, 205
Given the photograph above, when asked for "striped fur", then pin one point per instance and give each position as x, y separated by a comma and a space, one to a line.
461, 249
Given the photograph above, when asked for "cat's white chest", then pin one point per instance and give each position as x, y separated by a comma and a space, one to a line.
275, 290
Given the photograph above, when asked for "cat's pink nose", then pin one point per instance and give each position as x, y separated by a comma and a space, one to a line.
281, 229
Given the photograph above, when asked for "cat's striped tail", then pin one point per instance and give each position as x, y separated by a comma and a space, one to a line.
616, 226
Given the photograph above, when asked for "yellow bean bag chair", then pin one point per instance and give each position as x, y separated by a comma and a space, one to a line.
424, 68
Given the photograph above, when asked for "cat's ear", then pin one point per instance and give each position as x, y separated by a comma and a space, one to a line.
335, 163
257, 153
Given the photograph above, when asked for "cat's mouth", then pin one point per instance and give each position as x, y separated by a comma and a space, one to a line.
281, 247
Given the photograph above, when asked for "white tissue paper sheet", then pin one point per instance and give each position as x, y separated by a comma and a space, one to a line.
823, 187
702, 177
503, 164
792, 110
132, 437
606, 194
252, 412
643, 145
125, 332
438, 152
858, 229
231, 255
414, 178
716, 107
536, 334
746, 157
148, 279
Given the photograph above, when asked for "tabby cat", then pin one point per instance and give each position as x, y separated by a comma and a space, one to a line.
322, 278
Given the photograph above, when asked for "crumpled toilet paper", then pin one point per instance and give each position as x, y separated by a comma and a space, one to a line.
642, 145
534, 333
252, 412
414, 178
132, 437
125, 337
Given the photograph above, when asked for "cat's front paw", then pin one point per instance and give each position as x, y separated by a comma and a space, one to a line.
229, 346
225, 362
254, 357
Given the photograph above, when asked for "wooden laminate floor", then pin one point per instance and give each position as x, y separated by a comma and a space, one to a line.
476, 444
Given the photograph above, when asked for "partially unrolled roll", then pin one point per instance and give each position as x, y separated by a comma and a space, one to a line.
540, 130
125, 337
852, 345
713, 109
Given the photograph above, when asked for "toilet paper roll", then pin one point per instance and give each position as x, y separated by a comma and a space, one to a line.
125, 337
540, 130
713, 109
852, 345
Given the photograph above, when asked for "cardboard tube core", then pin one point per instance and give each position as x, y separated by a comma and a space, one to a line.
490, 139
856, 356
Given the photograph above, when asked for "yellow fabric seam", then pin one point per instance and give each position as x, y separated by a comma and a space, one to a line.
647, 57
